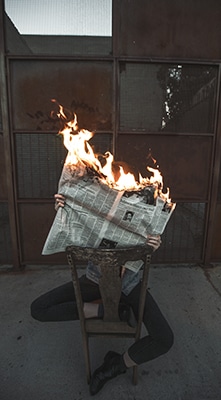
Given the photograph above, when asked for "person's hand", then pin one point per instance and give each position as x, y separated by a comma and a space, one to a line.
59, 201
154, 241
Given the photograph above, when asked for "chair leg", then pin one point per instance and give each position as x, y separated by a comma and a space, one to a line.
135, 375
87, 358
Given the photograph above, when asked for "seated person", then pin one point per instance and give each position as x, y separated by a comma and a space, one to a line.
59, 304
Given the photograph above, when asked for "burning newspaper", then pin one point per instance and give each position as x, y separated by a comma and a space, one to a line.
102, 212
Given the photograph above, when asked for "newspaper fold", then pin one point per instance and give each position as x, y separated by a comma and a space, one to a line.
96, 215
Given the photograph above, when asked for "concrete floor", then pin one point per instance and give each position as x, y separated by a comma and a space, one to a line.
43, 361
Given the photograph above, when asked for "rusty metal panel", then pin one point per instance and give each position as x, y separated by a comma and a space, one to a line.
216, 248
3, 182
14, 42
172, 28
216, 234
5, 236
35, 222
167, 97
219, 188
83, 87
66, 45
184, 161
40, 158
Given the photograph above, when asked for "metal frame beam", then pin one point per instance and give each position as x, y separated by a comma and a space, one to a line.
8, 145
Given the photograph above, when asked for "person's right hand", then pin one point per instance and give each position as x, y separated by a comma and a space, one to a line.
59, 201
154, 241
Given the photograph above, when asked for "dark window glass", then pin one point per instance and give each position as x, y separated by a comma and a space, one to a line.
182, 240
168, 98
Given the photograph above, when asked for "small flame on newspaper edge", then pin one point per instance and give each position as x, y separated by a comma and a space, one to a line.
81, 158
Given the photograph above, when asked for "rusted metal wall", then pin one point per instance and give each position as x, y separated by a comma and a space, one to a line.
169, 54
174, 29
153, 90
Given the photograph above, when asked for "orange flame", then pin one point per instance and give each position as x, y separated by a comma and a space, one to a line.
81, 156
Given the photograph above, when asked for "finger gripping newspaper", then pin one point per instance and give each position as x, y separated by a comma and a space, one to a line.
96, 215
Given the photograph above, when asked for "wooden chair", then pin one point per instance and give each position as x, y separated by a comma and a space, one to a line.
110, 262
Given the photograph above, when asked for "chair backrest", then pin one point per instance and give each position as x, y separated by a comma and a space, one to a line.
110, 262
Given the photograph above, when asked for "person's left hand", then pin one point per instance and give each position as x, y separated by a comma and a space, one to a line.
154, 241
59, 201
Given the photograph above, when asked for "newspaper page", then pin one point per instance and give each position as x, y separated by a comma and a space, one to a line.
96, 215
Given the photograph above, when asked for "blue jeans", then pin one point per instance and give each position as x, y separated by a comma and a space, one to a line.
59, 305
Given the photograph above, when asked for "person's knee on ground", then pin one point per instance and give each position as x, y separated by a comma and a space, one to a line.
37, 311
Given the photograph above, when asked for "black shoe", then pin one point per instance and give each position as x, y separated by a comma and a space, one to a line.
112, 366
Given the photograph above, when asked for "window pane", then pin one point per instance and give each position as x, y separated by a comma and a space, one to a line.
182, 240
168, 98
40, 158
83, 87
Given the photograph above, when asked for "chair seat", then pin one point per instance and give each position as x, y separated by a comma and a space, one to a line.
106, 328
